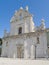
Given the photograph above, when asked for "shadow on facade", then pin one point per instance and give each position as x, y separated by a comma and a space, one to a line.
0, 46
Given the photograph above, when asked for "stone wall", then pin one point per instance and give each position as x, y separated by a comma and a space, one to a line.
29, 41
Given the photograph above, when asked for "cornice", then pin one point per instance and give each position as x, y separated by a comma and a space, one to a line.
31, 34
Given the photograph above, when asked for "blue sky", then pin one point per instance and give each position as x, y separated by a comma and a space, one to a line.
38, 8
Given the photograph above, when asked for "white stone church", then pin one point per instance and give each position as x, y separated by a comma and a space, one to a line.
25, 40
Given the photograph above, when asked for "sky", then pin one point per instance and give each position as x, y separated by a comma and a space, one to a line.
38, 8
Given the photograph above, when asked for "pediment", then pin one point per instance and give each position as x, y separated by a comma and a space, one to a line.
20, 14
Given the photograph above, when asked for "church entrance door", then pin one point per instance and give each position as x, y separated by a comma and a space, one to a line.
20, 51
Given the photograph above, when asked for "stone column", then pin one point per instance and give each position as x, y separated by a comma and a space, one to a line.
32, 52
46, 53
25, 50
14, 55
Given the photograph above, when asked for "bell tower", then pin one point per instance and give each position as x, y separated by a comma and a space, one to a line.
22, 22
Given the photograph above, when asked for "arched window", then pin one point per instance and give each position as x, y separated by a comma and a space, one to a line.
37, 40
20, 30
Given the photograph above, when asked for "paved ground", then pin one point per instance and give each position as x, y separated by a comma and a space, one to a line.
5, 61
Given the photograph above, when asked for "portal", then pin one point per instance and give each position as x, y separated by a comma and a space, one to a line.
20, 51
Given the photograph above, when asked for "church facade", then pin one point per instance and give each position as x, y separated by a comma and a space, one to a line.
24, 40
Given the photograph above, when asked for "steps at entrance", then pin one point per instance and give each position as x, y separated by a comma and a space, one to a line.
11, 61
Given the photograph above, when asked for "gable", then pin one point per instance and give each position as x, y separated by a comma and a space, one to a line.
20, 14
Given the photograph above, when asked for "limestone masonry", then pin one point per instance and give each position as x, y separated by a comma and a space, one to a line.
25, 40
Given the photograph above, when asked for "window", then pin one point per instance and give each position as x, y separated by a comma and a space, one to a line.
20, 30
37, 40
6, 44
